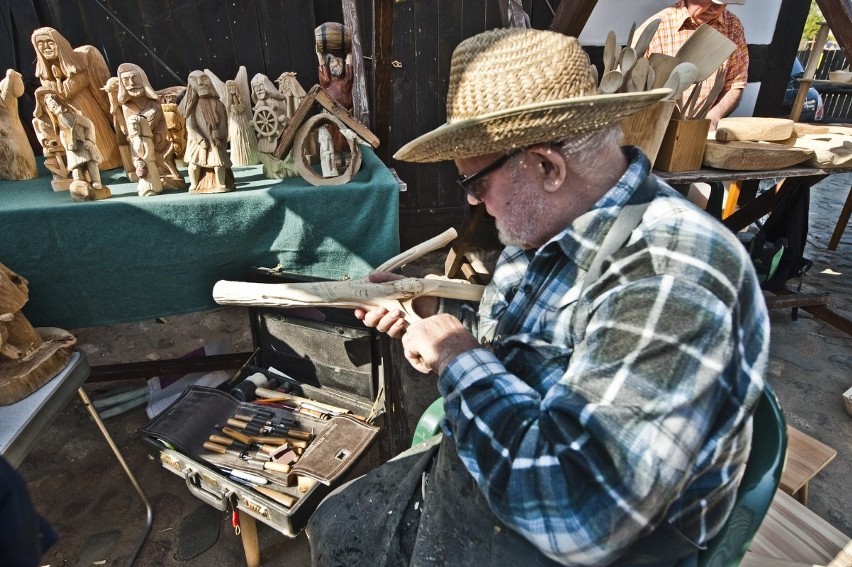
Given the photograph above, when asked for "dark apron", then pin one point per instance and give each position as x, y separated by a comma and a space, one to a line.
392, 516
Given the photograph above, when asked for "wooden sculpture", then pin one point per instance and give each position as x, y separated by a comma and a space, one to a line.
47, 132
144, 156
333, 46
119, 124
236, 97
397, 294
78, 136
17, 160
176, 126
291, 90
77, 76
29, 357
136, 96
269, 116
207, 137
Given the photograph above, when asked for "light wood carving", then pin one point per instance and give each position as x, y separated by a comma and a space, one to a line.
119, 124
29, 357
144, 156
78, 136
137, 96
269, 115
46, 130
397, 294
17, 160
77, 76
208, 163
330, 160
236, 97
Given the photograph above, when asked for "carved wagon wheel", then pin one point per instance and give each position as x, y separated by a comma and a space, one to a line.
265, 121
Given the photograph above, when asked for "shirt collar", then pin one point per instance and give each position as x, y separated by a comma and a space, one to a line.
581, 240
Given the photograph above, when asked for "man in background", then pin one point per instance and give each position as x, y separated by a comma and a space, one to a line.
678, 23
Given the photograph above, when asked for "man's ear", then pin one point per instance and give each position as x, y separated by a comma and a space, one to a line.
549, 163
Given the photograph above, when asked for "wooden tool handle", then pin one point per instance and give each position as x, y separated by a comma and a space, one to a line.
215, 447
277, 495
277, 467
221, 440
233, 433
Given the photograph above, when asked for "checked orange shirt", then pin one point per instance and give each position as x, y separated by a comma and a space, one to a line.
676, 26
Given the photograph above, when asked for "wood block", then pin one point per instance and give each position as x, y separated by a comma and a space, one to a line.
753, 129
806, 457
752, 156
792, 533
682, 148
646, 128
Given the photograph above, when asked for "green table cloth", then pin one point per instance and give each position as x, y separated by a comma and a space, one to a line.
129, 258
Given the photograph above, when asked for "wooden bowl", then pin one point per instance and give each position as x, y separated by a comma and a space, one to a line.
840, 76
752, 156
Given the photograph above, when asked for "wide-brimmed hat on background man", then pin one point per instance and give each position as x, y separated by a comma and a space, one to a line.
512, 88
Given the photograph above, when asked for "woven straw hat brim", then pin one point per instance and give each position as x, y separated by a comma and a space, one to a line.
525, 126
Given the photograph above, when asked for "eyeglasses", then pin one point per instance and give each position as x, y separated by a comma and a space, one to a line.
469, 183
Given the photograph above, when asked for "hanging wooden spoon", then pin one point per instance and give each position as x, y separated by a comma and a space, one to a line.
609, 52
611, 82
638, 75
645, 37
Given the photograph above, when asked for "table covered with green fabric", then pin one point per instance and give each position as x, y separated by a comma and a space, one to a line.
129, 258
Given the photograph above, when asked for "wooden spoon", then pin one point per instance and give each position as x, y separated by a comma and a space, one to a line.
594, 72
627, 59
645, 37
707, 49
638, 75
662, 65
609, 52
611, 82
680, 78
652, 77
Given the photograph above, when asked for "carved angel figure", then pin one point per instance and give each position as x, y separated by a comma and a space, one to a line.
77, 76
236, 97
144, 156
17, 160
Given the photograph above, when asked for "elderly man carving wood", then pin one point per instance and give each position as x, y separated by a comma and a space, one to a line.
598, 403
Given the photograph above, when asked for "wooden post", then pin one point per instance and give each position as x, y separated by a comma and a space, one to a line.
248, 534
360, 102
810, 71
382, 45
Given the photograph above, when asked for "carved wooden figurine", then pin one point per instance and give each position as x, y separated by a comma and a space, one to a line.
17, 160
78, 136
47, 132
144, 156
77, 76
29, 357
119, 124
270, 113
136, 96
292, 92
236, 97
333, 46
207, 137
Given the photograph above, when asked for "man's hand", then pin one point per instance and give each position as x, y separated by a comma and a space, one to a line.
392, 322
433, 343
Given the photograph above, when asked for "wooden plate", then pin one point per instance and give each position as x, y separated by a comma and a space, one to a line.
752, 156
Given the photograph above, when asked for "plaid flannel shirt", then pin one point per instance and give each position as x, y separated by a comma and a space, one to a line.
676, 27
584, 438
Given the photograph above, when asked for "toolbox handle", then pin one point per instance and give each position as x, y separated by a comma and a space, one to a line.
193, 483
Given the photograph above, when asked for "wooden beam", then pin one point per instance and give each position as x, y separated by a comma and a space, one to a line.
571, 16
838, 14
774, 70
382, 55
360, 102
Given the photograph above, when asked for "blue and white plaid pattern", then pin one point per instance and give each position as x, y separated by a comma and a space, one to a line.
584, 439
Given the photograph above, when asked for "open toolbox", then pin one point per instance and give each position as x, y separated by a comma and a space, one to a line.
332, 394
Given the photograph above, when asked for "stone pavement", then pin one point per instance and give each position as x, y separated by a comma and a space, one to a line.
78, 486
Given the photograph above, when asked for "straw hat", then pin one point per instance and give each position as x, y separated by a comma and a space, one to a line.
512, 88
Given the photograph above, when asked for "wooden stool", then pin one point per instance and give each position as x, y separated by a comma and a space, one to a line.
805, 458
793, 536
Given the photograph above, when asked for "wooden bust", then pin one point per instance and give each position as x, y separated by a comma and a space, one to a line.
77, 76
136, 96
206, 156
29, 357
17, 160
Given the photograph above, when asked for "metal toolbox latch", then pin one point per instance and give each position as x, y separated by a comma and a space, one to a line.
219, 500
